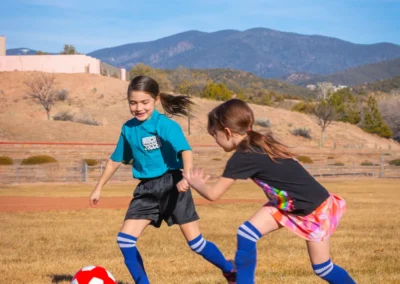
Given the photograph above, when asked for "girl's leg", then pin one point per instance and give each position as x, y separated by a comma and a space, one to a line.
323, 266
127, 237
206, 249
248, 234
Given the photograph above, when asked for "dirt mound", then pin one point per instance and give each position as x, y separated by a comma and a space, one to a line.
103, 99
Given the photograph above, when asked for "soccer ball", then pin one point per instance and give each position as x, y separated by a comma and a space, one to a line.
93, 275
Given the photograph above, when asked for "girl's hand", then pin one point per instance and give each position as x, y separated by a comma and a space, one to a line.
95, 197
183, 185
196, 178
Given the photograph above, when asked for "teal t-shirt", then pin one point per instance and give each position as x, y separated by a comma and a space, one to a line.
152, 146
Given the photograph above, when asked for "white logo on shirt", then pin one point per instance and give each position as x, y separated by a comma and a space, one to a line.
151, 143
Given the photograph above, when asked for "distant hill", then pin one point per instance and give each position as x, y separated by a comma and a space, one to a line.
385, 86
239, 80
20, 51
353, 76
103, 99
264, 52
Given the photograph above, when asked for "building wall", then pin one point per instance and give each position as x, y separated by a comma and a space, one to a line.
2, 46
51, 63
109, 70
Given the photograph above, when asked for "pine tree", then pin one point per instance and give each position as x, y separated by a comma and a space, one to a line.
373, 121
345, 106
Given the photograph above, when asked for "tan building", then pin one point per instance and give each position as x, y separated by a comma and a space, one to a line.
59, 63
2, 46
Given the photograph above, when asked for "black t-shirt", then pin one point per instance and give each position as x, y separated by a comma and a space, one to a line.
286, 183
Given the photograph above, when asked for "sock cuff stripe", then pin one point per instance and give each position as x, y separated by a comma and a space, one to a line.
126, 245
254, 229
202, 247
198, 244
321, 265
327, 271
195, 240
125, 240
323, 269
123, 235
244, 235
248, 230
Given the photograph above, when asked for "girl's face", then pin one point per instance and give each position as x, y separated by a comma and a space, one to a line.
141, 105
225, 140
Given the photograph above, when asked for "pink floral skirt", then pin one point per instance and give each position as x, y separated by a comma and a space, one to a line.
316, 226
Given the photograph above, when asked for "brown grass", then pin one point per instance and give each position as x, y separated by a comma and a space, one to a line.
37, 246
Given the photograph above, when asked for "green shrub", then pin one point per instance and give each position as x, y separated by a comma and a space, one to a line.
304, 159
279, 98
62, 95
87, 121
331, 157
395, 162
5, 161
367, 163
64, 116
339, 164
91, 162
303, 132
303, 107
36, 160
264, 122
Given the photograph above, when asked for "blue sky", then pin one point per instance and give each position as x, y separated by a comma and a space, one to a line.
90, 25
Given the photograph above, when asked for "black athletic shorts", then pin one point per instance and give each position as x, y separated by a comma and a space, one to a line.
158, 199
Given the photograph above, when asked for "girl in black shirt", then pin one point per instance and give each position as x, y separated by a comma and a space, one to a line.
296, 200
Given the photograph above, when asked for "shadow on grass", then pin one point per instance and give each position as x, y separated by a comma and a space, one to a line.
58, 278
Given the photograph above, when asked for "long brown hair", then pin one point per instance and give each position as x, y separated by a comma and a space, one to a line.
173, 105
237, 116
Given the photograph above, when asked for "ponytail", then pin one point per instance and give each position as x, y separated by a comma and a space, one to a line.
237, 116
176, 105
273, 148
173, 105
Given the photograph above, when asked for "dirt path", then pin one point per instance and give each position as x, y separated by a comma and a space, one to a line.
29, 204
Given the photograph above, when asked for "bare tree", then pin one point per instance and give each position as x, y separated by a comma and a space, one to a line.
324, 88
389, 108
41, 89
395, 92
325, 114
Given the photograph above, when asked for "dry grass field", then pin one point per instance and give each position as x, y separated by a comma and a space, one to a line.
49, 247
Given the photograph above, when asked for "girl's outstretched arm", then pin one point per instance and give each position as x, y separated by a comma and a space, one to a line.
110, 169
197, 180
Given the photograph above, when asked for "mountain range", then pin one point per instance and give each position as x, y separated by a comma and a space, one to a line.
297, 58
264, 52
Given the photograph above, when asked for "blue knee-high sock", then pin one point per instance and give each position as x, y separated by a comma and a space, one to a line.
210, 252
133, 260
332, 273
246, 254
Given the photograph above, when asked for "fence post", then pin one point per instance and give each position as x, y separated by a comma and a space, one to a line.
382, 169
84, 172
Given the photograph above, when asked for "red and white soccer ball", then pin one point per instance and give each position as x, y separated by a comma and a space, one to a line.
93, 275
